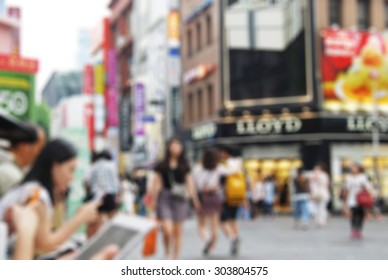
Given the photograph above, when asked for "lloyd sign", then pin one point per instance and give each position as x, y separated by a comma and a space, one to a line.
365, 124
16, 94
267, 126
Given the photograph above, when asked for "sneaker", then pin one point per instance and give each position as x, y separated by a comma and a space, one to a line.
356, 235
235, 247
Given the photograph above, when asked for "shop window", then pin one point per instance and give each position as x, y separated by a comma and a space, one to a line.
190, 110
210, 100
189, 43
386, 13
209, 29
199, 36
335, 11
363, 14
200, 105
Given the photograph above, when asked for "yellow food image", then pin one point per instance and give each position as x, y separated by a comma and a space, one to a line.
371, 57
358, 85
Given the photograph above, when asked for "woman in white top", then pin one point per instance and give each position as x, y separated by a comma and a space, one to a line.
354, 184
44, 185
207, 178
320, 192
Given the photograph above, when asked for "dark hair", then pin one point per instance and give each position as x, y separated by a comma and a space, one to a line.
183, 163
323, 166
55, 151
210, 159
105, 154
30, 135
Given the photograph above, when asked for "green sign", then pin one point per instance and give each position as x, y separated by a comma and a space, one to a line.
17, 94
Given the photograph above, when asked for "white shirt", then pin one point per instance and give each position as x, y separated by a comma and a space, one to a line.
21, 195
10, 175
206, 178
354, 184
319, 184
104, 178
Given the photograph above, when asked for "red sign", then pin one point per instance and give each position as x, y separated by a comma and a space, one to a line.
354, 67
88, 80
198, 73
14, 63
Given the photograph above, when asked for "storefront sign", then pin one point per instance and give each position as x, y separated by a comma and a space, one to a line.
125, 123
87, 80
269, 126
17, 94
18, 64
365, 124
112, 103
173, 31
354, 68
198, 73
139, 111
99, 79
204, 131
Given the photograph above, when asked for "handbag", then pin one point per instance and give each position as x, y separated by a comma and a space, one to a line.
364, 198
177, 190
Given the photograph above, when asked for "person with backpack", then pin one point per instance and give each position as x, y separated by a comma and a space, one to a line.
301, 193
235, 195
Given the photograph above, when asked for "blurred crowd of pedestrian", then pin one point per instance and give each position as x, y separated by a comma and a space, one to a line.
36, 175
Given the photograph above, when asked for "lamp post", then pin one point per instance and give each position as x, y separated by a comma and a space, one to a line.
376, 127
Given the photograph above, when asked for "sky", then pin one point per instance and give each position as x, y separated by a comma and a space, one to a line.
50, 31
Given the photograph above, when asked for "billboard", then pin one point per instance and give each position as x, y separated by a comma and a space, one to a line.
267, 52
354, 69
17, 93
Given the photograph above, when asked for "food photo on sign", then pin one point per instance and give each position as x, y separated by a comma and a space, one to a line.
354, 68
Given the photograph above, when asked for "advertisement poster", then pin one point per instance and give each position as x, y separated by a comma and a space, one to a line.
354, 70
17, 94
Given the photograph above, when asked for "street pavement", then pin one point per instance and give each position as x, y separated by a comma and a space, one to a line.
276, 239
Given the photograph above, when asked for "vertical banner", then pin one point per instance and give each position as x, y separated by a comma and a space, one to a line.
98, 98
139, 111
125, 123
112, 94
139, 125
88, 89
15, 12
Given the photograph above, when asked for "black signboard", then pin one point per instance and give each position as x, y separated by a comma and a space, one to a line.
125, 123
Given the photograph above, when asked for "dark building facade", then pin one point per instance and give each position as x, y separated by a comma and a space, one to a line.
266, 69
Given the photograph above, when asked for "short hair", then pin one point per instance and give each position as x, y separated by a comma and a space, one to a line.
210, 159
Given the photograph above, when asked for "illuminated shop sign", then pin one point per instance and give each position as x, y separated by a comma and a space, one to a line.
204, 131
198, 73
269, 126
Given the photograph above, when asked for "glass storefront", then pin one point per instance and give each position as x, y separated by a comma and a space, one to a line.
282, 169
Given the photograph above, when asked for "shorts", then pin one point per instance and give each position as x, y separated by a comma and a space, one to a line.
228, 213
172, 208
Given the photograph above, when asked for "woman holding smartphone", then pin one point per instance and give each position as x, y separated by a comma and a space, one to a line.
44, 186
171, 186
